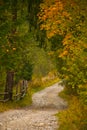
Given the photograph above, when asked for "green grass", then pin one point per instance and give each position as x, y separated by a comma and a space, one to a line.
73, 118
26, 101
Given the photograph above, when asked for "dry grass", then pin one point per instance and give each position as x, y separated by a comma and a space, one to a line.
74, 118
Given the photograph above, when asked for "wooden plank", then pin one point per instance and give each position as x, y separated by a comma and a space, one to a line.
3, 93
4, 100
17, 95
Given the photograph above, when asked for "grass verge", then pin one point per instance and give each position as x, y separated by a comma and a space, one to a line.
38, 85
73, 118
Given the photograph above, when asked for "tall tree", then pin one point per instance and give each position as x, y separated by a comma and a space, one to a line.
67, 19
10, 72
34, 25
12, 41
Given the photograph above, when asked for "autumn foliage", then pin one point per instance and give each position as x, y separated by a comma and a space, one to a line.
67, 19
52, 15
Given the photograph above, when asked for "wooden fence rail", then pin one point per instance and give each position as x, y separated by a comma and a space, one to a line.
2, 95
19, 91
20, 95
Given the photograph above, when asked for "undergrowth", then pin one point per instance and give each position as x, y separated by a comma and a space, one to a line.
26, 101
38, 85
74, 117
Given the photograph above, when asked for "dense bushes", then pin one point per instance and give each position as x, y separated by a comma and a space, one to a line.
74, 118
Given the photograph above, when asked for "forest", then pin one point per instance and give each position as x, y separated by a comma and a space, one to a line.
42, 37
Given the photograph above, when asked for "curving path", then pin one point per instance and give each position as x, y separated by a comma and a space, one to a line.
40, 116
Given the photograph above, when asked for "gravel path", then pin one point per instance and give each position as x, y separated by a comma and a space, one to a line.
40, 116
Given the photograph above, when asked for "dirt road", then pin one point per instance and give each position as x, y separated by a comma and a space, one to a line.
40, 116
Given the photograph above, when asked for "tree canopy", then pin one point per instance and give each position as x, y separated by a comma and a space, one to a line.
69, 20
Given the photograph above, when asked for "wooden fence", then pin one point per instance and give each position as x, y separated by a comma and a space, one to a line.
19, 91
2, 97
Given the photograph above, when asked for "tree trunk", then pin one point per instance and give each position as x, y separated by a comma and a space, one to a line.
9, 85
10, 74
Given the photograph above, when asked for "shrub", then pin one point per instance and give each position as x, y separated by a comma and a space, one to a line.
74, 118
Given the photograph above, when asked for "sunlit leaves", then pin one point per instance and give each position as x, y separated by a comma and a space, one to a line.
52, 16
69, 19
